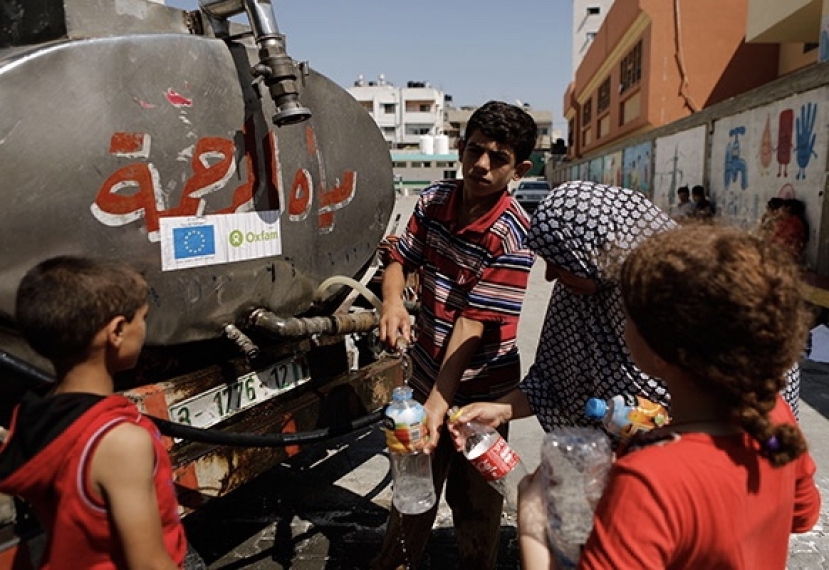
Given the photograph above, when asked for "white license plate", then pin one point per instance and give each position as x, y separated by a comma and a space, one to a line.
221, 402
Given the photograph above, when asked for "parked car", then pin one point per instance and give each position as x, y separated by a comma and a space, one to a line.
530, 192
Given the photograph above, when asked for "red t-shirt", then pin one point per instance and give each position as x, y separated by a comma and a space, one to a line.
702, 501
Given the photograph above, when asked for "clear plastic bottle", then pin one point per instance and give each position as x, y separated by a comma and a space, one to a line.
411, 469
625, 414
575, 462
492, 456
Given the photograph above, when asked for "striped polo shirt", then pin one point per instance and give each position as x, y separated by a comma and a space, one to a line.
479, 272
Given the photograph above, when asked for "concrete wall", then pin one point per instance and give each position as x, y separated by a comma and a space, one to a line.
679, 161
773, 141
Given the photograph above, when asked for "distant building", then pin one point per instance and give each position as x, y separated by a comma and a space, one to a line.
588, 16
422, 129
653, 62
404, 114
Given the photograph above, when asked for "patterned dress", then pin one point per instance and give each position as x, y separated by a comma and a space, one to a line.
587, 229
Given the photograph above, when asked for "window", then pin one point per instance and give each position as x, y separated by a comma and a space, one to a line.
425, 108
388, 108
587, 112
590, 36
603, 100
450, 174
807, 47
594, 10
630, 70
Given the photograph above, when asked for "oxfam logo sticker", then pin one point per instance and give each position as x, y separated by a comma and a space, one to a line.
236, 238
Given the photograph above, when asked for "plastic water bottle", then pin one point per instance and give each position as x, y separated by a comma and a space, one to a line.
625, 414
492, 456
411, 469
575, 462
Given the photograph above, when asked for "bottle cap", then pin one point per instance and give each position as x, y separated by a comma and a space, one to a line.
400, 393
595, 408
453, 413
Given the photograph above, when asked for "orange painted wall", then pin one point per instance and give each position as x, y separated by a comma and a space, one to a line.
716, 61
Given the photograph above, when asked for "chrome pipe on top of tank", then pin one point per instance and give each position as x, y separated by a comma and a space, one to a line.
337, 324
276, 68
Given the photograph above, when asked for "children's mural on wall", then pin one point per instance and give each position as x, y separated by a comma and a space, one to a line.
584, 171
679, 160
775, 150
612, 169
636, 173
594, 171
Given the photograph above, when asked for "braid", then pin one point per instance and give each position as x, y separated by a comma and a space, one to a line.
725, 307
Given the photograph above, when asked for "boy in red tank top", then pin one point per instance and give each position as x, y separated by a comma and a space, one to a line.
93, 468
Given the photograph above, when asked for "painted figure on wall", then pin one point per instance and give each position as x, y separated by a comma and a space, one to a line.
805, 149
766, 148
784, 141
735, 165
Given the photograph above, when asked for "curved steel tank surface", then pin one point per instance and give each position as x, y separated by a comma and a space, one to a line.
158, 149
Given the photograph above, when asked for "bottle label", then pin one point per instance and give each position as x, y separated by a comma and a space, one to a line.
496, 461
643, 415
404, 432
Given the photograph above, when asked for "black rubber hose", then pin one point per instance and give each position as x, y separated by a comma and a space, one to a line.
218, 437
207, 435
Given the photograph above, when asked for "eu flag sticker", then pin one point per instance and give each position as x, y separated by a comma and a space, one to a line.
193, 241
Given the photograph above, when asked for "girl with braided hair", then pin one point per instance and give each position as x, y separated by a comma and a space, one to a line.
716, 313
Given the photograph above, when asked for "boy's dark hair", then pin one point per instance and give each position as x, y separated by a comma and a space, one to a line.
682, 190
698, 190
63, 302
507, 125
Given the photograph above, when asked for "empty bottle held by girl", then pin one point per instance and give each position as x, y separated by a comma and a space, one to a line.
413, 491
625, 414
492, 456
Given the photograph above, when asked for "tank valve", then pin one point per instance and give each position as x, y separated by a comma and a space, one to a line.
275, 68
247, 346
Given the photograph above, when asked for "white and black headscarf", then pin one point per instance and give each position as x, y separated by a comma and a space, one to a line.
587, 229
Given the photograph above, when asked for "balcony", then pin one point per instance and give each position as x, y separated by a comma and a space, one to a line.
782, 22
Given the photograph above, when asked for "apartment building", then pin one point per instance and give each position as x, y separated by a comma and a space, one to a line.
653, 62
404, 114
588, 16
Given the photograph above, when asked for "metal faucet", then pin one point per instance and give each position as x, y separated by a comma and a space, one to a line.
275, 68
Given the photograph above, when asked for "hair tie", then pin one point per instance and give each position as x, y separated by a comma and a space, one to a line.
772, 444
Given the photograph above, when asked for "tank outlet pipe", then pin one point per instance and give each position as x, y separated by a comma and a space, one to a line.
338, 324
275, 68
242, 341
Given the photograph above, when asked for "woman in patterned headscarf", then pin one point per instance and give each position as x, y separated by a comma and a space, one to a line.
583, 231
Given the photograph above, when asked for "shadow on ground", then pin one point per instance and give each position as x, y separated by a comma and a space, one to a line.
297, 517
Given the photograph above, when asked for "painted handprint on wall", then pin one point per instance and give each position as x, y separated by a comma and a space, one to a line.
805, 132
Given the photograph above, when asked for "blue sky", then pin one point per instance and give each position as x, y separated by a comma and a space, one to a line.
472, 50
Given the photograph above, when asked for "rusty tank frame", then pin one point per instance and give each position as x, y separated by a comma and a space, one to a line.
249, 189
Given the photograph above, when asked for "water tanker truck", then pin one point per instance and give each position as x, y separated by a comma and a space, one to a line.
250, 190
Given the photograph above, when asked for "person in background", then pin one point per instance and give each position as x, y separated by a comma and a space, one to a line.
583, 231
466, 238
684, 206
704, 209
717, 313
769, 219
791, 229
93, 468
